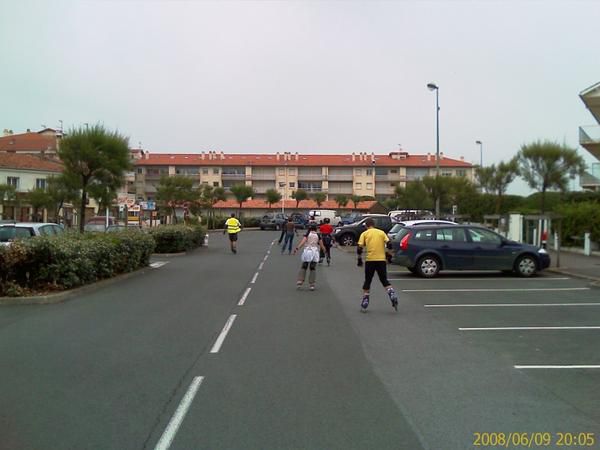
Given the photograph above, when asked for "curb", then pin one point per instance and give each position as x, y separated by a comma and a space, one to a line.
60, 297
573, 274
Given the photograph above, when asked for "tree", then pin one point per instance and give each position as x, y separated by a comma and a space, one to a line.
413, 196
341, 200
438, 188
175, 191
503, 175
210, 195
485, 176
8, 194
548, 165
60, 190
299, 195
355, 199
94, 157
273, 196
241, 192
319, 197
38, 198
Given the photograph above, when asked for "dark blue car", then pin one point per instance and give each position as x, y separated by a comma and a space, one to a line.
426, 250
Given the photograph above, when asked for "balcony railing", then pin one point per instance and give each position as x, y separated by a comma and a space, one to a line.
589, 135
339, 177
262, 189
390, 177
262, 176
233, 176
311, 177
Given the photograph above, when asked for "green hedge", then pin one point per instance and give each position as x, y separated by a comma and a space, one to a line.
71, 260
177, 238
580, 218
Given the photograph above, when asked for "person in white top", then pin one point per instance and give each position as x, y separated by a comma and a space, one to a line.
310, 256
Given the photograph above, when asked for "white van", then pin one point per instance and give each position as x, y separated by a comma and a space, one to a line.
319, 214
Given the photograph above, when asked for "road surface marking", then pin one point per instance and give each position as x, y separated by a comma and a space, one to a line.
498, 290
223, 335
529, 328
411, 278
499, 305
577, 366
254, 278
244, 297
169, 434
157, 264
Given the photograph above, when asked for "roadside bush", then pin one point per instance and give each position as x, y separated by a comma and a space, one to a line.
177, 238
580, 218
70, 260
251, 221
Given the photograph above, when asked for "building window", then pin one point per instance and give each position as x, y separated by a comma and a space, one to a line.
13, 181
446, 173
215, 183
369, 186
40, 183
140, 170
205, 182
357, 171
461, 173
281, 171
369, 172
358, 185
204, 171
292, 171
394, 171
216, 171
292, 184
281, 184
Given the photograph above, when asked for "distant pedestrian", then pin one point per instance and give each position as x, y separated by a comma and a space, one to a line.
326, 231
289, 229
375, 241
232, 228
310, 256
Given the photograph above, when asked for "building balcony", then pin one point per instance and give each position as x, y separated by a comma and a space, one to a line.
233, 176
154, 176
262, 189
385, 190
589, 138
311, 177
390, 177
262, 176
591, 180
341, 190
340, 177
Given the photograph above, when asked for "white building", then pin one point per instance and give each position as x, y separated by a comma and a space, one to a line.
589, 137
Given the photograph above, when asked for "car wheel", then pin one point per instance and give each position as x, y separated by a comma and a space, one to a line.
526, 266
347, 240
428, 266
262, 228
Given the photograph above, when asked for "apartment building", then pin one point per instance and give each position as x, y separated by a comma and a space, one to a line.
44, 142
364, 174
589, 137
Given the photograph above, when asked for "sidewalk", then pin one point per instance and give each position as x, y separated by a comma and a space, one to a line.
576, 265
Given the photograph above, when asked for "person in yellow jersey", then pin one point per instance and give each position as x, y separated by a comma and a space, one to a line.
375, 242
232, 228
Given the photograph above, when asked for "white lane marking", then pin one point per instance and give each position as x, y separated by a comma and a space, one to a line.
498, 290
244, 297
501, 305
261, 265
254, 278
169, 434
529, 328
223, 335
576, 366
478, 279
157, 264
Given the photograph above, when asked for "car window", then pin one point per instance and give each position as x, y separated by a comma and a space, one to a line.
484, 236
57, 229
451, 234
396, 228
7, 233
47, 230
424, 235
23, 232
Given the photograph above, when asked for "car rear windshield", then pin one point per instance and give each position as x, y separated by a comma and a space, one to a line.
7, 233
401, 233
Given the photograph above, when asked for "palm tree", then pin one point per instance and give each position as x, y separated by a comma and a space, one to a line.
273, 196
355, 199
299, 195
341, 200
210, 195
319, 197
8, 194
242, 192
174, 191
504, 174
548, 165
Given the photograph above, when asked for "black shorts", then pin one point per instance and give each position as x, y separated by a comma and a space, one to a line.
375, 266
233, 237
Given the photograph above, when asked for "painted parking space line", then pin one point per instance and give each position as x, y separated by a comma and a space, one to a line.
157, 264
502, 305
593, 327
254, 278
168, 435
427, 280
576, 366
223, 334
244, 297
261, 265
499, 290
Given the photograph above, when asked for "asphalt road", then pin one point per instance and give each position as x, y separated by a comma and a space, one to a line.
117, 368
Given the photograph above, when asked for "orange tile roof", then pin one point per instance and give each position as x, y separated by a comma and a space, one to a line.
27, 142
269, 159
29, 162
290, 204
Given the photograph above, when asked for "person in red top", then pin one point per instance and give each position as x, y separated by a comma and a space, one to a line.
326, 231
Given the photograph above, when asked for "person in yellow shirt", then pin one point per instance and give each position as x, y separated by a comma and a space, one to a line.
232, 227
375, 242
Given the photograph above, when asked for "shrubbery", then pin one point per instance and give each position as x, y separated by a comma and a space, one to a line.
177, 238
70, 260
580, 218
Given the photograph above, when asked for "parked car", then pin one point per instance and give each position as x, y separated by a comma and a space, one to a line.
272, 221
409, 223
23, 230
300, 220
403, 215
349, 234
349, 218
318, 215
98, 223
428, 249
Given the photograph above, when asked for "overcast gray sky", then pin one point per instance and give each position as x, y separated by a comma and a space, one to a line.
314, 76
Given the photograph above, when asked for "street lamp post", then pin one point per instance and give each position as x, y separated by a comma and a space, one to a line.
434, 87
480, 152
